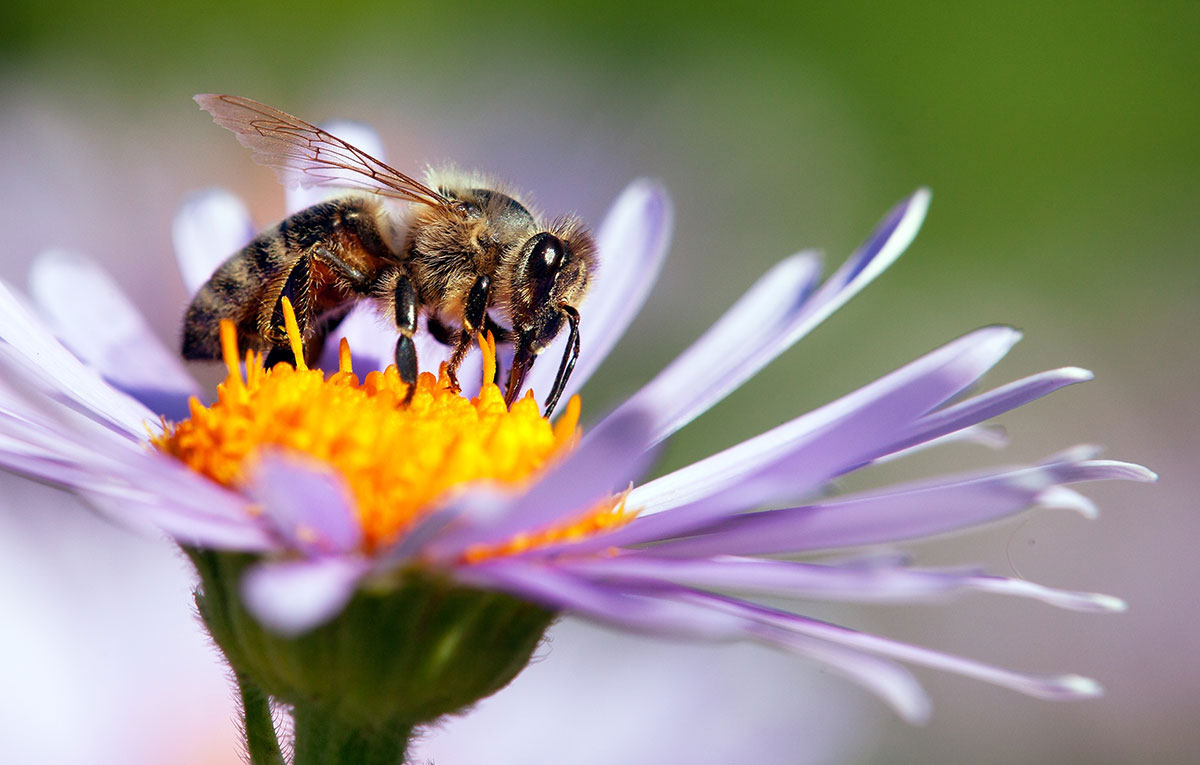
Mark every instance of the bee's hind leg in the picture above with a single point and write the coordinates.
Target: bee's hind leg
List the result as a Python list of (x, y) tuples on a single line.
[(296, 289)]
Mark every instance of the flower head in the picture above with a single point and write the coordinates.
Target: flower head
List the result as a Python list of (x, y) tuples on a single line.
[(334, 492)]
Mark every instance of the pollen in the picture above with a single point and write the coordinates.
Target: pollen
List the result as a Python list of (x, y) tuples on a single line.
[(397, 459)]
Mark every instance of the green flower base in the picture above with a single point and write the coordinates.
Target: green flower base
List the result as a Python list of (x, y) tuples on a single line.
[(396, 657)]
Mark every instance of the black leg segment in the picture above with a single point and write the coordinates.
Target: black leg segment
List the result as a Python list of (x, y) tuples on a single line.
[(406, 322), (475, 310), (567, 365)]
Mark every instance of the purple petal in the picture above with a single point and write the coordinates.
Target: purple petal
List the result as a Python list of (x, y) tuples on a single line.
[(92, 316), (356, 134), (902, 512), (802, 455), (672, 614), (731, 350), (137, 488), (984, 407), (148, 513), (308, 503), (49, 466), (613, 455), (750, 336), (551, 587), (887, 242), (772, 577), (182, 503), (1055, 687), (293, 597), (633, 242), (892, 683), (28, 348), (209, 227), (847, 582), (991, 436), (1091, 602)]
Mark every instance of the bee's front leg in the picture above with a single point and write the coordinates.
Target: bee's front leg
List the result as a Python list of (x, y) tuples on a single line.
[(474, 314)]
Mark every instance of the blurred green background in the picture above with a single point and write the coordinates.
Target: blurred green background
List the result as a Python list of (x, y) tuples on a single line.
[(1061, 142)]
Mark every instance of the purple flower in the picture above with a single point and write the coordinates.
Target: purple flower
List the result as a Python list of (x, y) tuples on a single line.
[(85, 387)]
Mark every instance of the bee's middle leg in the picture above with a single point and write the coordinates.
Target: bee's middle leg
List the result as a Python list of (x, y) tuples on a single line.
[(403, 297), (474, 315), (450, 336)]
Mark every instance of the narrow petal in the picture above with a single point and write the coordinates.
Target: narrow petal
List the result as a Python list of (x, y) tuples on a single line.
[(669, 614), (1092, 602), (89, 312), (178, 500), (615, 454), (1054, 687), (800, 456), (749, 337), (991, 436), (988, 405), (824, 581), (891, 682), (901, 512), (293, 597), (42, 465), (28, 345), (724, 356), (771, 577), (357, 134), (633, 242), (307, 502), (147, 514), (209, 227), (556, 589), (144, 491), (857, 423)]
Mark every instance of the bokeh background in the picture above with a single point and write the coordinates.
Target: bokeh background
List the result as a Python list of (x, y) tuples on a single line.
[(1061, 141)]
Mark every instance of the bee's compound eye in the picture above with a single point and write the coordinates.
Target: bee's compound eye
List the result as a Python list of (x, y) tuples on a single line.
[(547, 256)]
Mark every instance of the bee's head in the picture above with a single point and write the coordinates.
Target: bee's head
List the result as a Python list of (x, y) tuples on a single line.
[(551, 278)]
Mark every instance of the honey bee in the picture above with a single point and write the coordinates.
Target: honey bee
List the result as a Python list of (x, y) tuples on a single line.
[(467, 255)]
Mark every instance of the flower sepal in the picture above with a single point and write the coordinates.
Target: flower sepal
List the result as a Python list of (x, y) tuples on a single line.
[(403, 652)]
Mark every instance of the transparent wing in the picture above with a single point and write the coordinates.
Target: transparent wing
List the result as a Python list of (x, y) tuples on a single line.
[(305, 155)]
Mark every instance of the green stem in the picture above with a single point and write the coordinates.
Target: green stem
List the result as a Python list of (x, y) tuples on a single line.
[(261, 742), (323, 739)]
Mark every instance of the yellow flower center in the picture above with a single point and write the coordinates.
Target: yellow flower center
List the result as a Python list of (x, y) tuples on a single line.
[(396, 460)]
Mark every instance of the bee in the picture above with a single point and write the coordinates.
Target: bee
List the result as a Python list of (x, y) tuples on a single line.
[(465, 254)]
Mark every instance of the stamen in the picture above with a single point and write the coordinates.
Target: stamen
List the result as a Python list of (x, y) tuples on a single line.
[(344, 362), (567, 427), (293, 333), (604, 517), (229, 353), (487, 346)]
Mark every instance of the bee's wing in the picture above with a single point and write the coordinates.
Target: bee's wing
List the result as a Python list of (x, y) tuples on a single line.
[(306, 155)]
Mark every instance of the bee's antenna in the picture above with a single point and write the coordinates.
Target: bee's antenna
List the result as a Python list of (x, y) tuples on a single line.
[(567, 365)]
